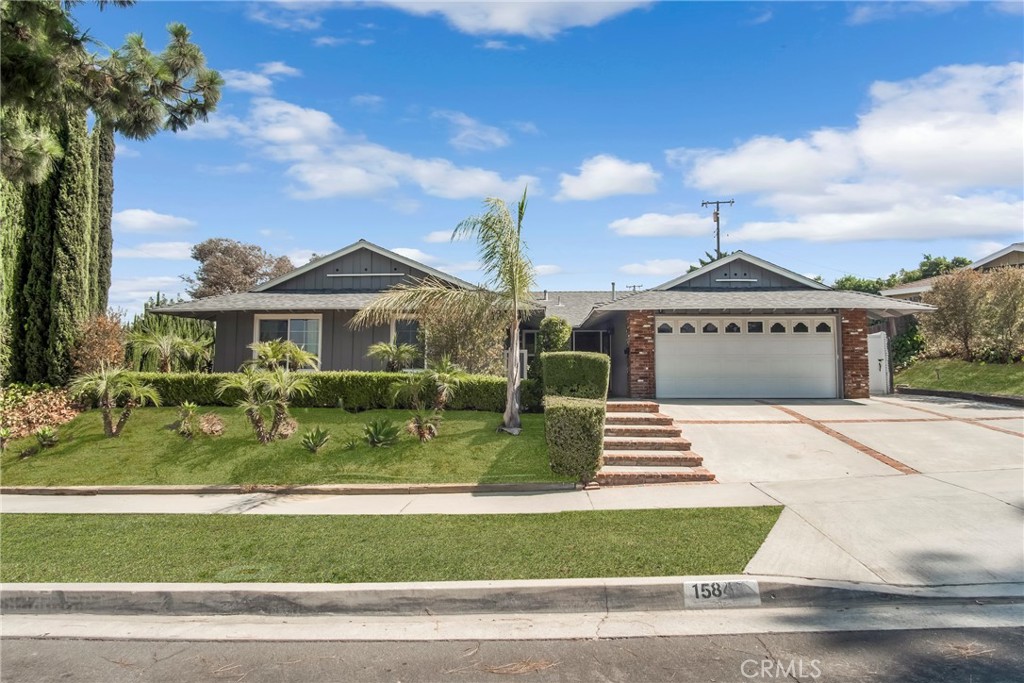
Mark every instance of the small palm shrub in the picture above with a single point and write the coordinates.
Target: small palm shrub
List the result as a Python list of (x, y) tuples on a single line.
[(315, 439), (281, 354), (168, 348), (265, 399), (381, 432), (47, 437), (395, 357), (211, 424), (423, 425), (186, 419), (112, 387)]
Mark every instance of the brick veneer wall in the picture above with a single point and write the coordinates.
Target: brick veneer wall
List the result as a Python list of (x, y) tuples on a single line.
[(854, 339), (640, 368)]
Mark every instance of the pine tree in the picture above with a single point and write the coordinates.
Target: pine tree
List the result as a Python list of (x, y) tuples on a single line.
[(69, 283), (104, 211)]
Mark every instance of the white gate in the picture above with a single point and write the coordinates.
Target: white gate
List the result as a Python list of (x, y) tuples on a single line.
[(879, 381)]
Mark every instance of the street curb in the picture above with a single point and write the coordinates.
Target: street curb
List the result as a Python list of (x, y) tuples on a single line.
[(1016, 401), (463, 597), (299, 489)]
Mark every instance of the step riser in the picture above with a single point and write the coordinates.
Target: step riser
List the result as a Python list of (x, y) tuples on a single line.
[(655, 461), (627, 444), (652, 478), (652, 419), (632, 407), (665, 432)]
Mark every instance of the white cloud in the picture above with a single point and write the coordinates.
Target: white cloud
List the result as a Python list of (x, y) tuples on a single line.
[(982, 249), (278, 69), (300, 257), (470, 134), (763, 18), (123, 151), (217, 127), (247, 81), (547, 269), (868, 12), (226, 169), (289, 16), (606, 176), (659, 267), (131, 294), (499, 45), (435, 262), (938, 156), (366, 101), (148, 221), (663, 225), (438, 236), (532, 19), (528, 127), (170, 251)]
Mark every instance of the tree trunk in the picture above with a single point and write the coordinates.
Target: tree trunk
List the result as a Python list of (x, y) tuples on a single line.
[(511, 418), (165, 364), (108, 422), (123, 419)]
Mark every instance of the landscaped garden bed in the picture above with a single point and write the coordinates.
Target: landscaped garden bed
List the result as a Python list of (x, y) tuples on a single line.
[(358, 548), (468, 449)]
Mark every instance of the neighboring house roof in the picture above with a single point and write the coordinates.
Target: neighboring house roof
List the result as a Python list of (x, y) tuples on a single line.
[(750, 258), (1016, 246), (269, 301), (363, 244), (737, 301), (915, 287), (573, 306)]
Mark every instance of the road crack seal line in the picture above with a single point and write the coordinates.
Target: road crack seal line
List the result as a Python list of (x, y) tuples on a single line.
[(866, 450)]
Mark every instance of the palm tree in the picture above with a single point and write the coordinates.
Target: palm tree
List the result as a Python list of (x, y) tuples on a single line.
[(511, 277), (266, 397), (111, 386), (395, 357), (281, 353), (169, 348)]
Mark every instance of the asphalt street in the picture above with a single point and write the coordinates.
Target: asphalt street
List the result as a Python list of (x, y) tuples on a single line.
[(950, 656)]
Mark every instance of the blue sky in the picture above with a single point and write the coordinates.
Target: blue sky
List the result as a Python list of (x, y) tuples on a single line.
[(853, 136)]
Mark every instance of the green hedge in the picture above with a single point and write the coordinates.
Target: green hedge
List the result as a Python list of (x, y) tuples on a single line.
[(576, 373), (355, 390), (574, 431)]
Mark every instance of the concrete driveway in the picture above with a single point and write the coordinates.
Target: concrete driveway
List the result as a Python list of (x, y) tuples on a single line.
[(905, 490)]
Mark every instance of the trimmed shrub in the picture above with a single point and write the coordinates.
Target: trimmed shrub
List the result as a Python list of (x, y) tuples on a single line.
[(354, 390), (576, 373), (574, 431)]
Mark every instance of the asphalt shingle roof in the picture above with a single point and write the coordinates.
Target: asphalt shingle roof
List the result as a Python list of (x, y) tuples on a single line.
[(574, 306), (270, 301)]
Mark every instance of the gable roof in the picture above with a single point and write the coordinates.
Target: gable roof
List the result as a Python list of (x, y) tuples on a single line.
[(363, 244), (750, 258), (1016, 246), (574, 306)]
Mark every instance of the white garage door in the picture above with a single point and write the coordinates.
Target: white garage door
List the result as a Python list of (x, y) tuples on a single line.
[(745, 357)]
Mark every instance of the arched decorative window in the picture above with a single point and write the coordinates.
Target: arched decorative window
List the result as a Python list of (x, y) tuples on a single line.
[(800, 328), (732, 328), (664, 328), (709, 328), (687, 328), (823, 327), (755, 327), (778, 328)]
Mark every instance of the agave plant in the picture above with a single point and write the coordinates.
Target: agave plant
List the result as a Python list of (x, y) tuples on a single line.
[(186, 419), (266, 397), (316, 439), (381, 432), (395, 357), (111, 387), (46, 436), (281, 354)]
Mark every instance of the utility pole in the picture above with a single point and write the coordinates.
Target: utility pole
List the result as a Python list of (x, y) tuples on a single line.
[(634, 288), (718, 225)]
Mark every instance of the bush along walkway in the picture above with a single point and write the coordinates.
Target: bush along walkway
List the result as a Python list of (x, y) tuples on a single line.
[(642, 446)]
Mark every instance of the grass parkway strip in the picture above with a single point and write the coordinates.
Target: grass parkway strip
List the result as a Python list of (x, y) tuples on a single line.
[(374, 548)]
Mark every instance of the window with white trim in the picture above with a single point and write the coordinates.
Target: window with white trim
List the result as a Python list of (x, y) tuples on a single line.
[(304, 331)]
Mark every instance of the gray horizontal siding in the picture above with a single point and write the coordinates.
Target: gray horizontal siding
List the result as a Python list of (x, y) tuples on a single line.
[(359, 263), (742, 270)]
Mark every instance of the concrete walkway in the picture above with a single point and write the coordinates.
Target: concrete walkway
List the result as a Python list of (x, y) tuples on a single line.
[(852, 514)]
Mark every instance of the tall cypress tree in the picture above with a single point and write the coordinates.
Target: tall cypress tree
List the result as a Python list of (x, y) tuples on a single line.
[(29, 347), (13, 267), (104, 211), (72, 220), (94, 220)]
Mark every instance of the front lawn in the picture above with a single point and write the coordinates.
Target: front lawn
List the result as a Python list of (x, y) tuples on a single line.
[(947, 374), (346, 549), (469, 450)]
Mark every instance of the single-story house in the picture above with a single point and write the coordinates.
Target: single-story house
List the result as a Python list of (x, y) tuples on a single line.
[(1011, 256), (740, 327)]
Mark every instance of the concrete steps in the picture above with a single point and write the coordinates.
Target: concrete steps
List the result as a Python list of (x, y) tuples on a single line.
[(644, 446)]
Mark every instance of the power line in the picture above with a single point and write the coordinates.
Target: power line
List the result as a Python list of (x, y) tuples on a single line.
[(718, 226)]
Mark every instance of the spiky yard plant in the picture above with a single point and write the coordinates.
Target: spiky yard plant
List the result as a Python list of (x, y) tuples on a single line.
[(316, 439), (186, 419), (112, 387), (510, 279), (281, 354), (395, 357), (381, 432), (266, 397), (424, 425)]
